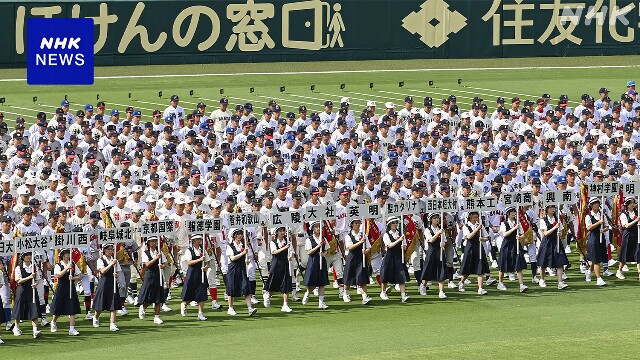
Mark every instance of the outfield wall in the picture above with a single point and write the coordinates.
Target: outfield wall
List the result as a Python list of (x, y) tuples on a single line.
[(178, 32)]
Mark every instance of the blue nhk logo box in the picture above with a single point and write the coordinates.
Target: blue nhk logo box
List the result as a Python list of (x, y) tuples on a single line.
[(59, 51)]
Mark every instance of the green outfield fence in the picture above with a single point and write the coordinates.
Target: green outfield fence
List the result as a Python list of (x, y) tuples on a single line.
[(180, 32)]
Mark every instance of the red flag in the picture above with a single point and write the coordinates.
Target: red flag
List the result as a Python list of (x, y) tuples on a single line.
[(618, 203), (412, 235), (527, 230), (373, 234), (327, 236), (581, 237)]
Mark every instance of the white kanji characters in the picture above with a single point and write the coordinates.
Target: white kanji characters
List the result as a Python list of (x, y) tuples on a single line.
[(518, 22), (563, 20)]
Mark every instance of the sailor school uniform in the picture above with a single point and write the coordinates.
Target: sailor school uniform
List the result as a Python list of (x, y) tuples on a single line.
[(511, 255), (315, 275), (24, 308), (629, 249), (551, 252), (355, 273), (65, 300), (393, 270), (152, 290), (474, 259), (435, 265), (596, 244), (279, 279), (237, 280), (194, 288), (106, 299)]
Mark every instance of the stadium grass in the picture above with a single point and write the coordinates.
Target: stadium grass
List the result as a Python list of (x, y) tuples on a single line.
[(579, 322)]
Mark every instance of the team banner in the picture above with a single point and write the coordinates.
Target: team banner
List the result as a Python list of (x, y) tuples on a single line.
[(521, 198), (488, 203), (7, 247), (289, 218), (445, 204), (403, 207), (363, 211), (33, 243), (630, 189), (203, 226), (559, 197), (157, 228), (241, 220), (604, 188), (115, 235), (133, 32), (322, 212)]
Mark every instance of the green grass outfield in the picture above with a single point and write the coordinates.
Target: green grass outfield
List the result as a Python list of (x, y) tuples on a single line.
[(579, 323)]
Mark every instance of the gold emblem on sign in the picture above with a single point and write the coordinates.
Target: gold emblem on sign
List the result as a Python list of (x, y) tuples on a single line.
[(434, 22)]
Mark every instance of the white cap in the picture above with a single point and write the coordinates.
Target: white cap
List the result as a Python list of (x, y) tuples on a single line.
[(371, 103), (54, 177), (61, 186), (30, 181), (122, 194), (345, 100), (389, 105), (464, 115), (151, 198), (437, 111), (91, 191), (109, 186), (180, 200), (85, 182), (136, 188), (137, 209), (168, 195), (618, 133), (215, 203), (594, 132), (188, 199), (23, 190), (52, 199), (537, 124)]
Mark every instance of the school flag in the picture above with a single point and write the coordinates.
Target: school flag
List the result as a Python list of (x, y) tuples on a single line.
[(372, 232), (412, 235), (527, 230), (581, 237), (616, 211)]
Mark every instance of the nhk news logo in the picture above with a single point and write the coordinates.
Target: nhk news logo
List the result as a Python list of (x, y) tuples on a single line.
[(59, 51)]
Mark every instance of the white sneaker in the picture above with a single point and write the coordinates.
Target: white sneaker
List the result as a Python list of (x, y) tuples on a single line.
[(565, 276), (157, 320), (335, 284), (346, 298), (129, 300), (295, 297), (423, 289), (501, 286), (567, 249), (625, 268), (607, 273), (169, 296), (619, 275), (482, 291), (442, 295), (551, 272), (587, 276), (461, 286), (230, 311), (48, 307), (384, 296), (359, 290), (512, 277), (305, 298), (467, 282), (54, 327), (252, 311), (490, 281), (371, 281), (612, 262), (535, 279), (315, 292), (141, 312), (174, 285), (215, 305), (583, 268), (494, 264), (366, 300), (135, 301), (1, 342), (193, 304), (601, 282), (456, 275), (322, 305), (89, 316), (44, 322), (17, 331), (201, 317), (8, 326), (96, 322), (266, 301), (405, 298), (165, 308), (523, 288), (226, 297), (397, 287), (183, 309), (542, 283), (451, 285), (113, 327), (254, 300), (388, 289), (562, 285), (285, 308), (37, 334), (123, 312), (73, 332)]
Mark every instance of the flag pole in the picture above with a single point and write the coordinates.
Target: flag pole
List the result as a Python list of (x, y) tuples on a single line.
[(321, 240)]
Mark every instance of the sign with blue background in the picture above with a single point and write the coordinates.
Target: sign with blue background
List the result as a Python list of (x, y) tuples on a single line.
[(60, 51)]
